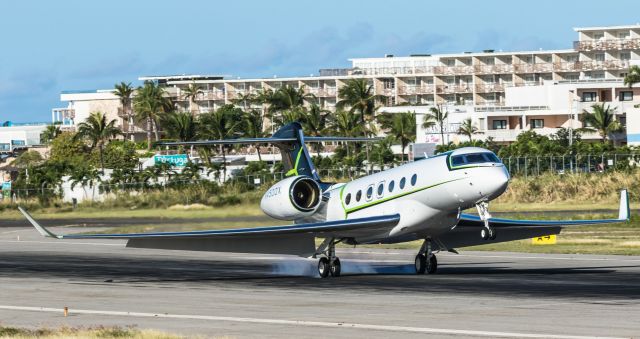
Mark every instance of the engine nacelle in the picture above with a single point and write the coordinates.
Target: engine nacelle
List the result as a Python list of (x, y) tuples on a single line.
[(292, 198)]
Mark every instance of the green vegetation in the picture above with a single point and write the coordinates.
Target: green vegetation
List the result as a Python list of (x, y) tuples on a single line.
[(84, 333)]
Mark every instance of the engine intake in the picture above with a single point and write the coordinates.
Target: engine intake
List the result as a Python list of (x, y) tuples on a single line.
[(293, 198)]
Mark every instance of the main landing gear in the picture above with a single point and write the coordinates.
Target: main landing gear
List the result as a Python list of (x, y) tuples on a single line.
[(426, 261), (487, 232), (328, 264)]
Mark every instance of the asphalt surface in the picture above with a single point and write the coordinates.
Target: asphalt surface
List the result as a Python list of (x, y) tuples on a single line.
[(474, 294)]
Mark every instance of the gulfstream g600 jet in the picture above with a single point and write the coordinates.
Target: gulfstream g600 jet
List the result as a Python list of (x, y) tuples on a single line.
[(422, 200)]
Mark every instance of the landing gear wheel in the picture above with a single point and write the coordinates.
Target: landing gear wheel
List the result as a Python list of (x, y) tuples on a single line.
[(323, 267), (432, 265), (484, 233), (334, 267), (493, 235), (421, 263)]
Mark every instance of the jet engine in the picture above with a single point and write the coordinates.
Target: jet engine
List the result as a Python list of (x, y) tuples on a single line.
[(292, 198)]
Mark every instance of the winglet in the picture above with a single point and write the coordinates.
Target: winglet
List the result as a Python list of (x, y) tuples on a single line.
[(623, 212), (43, 231)]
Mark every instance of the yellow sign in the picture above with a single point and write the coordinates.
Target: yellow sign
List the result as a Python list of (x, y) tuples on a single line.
[(544, 240)]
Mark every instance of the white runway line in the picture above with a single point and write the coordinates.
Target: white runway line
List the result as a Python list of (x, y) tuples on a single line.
[(66, 243), (390, 328)]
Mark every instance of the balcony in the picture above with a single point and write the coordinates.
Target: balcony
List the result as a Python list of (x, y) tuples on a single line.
[(489, 88), (213, 95), (493, 69), (415, 90), (453, 70), (603, 45), (321, 92), (512, 134)]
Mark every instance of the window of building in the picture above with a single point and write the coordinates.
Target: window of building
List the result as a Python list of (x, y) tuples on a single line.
[(599, 56), (626, 96), (347, 200), (528, 59), (402, 182), (571, 58), (414, 179), (490, 61), (625, 55), (624, 35), (388, 83), (597, 75), (380, 189), (589, 96), (370, 192), (598, 36), (358, 195), (499, 124), (537, 123), (391, 186)]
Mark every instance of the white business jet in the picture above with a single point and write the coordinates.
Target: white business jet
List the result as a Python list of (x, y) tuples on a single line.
[(422, 200)]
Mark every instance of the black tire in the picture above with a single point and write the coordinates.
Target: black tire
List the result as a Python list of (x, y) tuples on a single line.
[(432, 265), (493, 235), (420, 263), (334, 267), (323, 267), (484, 233)]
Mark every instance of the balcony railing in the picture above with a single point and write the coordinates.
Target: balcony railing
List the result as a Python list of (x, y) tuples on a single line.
[(415, 90), (602, 45), (213, 95), (488, 88)]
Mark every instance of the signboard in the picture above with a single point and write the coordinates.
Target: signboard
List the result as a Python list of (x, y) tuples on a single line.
[(175, 160), (544, 240), (6, 190)]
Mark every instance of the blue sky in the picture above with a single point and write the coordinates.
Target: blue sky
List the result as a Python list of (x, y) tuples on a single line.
[(51, 46)]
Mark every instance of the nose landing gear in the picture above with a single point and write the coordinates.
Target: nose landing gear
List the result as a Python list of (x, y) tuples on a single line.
[(487, 233)]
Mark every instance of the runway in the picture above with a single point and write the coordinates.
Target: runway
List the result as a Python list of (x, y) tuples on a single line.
[(474, 294)]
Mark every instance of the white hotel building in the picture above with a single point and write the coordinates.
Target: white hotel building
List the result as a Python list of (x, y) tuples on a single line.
[(504, 93)]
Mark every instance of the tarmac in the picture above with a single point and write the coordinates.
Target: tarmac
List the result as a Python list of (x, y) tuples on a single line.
[(474, 294)]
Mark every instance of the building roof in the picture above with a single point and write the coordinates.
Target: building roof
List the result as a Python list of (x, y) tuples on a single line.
[(182, 77), (606, 28)]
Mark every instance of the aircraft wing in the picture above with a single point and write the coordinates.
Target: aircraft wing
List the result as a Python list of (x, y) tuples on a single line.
[(466, 232), (297, 239)]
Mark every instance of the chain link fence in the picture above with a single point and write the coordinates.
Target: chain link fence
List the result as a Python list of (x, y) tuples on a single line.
[(561, 164)]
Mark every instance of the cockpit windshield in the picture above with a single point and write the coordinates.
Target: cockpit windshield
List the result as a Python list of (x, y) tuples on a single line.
[(473, 158)]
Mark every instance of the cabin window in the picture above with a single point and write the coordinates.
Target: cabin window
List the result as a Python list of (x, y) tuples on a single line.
[(391, 185), (402, 182), (380, 189), (414, 179), (369, 192), (358, 195), (347, 200)]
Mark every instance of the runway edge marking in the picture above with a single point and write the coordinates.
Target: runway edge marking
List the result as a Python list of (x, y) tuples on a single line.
[(389, 328)]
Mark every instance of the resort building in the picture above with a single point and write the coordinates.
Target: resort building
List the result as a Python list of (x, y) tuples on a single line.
[(504, 93)]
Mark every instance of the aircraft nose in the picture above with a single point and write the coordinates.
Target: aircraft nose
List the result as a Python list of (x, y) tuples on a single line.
[(491, 182)]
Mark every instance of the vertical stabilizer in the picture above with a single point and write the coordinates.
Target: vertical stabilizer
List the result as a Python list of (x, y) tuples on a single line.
[(295, 155)]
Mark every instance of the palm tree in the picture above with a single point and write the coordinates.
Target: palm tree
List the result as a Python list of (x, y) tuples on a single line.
[(436, 117), (602, 120), (289, 97), (50, 132), (254, 127), (244, 99), (191, 93), (402, 127), (98, 132), (124, 91), (314, 122), (150, 103), (468, 128), (223, 123), (180, 126), (358, 95), (633, 77), (347, 124)]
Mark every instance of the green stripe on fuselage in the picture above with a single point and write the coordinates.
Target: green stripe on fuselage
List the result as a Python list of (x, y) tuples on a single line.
[(376, 202)]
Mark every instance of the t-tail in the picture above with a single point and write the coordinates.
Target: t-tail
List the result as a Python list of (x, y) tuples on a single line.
[(291, 141)]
